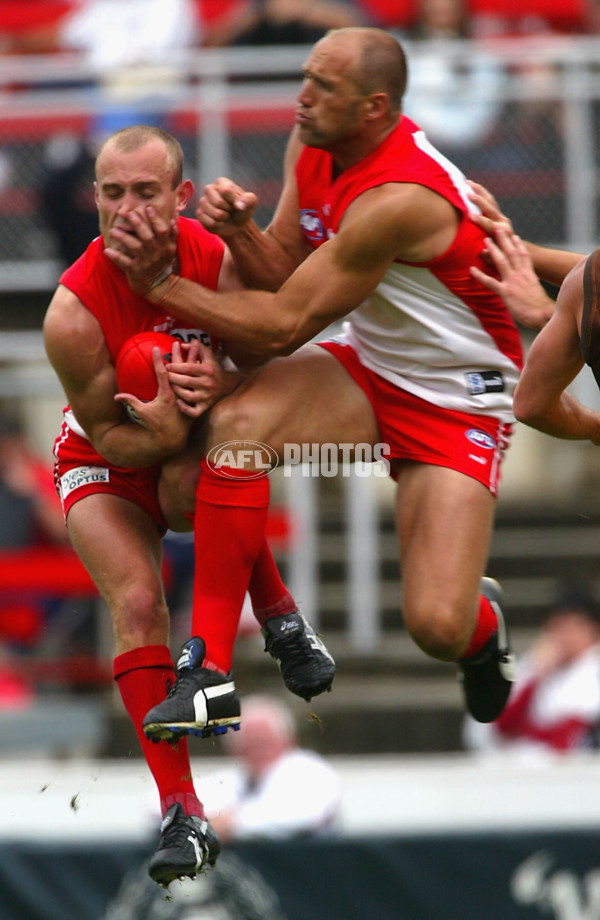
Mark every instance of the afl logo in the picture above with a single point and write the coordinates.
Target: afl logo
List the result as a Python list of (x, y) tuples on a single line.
[(312, 227), (256, 458), (481, 438)]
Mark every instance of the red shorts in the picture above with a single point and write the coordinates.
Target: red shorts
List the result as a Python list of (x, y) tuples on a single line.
[(79, 471), (418, 430)]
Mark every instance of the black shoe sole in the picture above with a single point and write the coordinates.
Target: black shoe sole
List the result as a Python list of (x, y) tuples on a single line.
[(173, 731), (166, 874)]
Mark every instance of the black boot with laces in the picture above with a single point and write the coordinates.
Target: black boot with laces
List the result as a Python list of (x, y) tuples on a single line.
[(306, 666), (187, 844), (201, 701)]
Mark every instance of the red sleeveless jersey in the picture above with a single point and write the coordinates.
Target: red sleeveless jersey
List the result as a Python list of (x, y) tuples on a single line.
[(103, 288)]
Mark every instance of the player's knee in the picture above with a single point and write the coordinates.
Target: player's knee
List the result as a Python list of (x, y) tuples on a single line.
[(234, 419), (177, 494), (140, 617), (438, 631)]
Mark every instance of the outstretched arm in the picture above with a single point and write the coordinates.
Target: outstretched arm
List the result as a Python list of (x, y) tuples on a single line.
[(552, 265), (384, 223), (554, 360), (516, 281)]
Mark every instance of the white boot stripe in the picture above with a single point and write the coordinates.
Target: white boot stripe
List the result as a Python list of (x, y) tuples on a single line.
[(197, 851), (220, 690), (200, 708)]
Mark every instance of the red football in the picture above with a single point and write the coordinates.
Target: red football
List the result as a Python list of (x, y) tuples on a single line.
[(135, 370)]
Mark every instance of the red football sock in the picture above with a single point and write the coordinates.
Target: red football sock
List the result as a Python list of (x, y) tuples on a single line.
[(269, 595), (229, 531), (486, 626), (143, 677)]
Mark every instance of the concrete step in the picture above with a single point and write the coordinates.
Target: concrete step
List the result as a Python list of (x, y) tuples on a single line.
[(533, 549), (395, 657)]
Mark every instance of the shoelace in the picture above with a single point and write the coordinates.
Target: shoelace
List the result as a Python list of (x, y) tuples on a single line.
[(178, 682), (176, 835), (295, 645)]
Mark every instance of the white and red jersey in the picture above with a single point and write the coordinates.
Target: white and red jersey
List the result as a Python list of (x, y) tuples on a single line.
[(428, 327)]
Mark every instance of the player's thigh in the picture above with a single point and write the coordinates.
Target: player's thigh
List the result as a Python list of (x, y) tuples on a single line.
[(444, 521), (177, 486), (119, 545), (306, 397)]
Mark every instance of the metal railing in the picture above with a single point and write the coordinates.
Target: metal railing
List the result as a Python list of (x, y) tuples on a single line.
[(532, 136)]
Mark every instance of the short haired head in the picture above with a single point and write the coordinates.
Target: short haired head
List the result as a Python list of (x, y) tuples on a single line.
[(134, 137), (574, 597)]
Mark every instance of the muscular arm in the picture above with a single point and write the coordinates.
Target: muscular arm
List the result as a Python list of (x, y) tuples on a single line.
[(77, 351), (552, 265), (245, 362), (264, 260), (395, 220), (554, 360)]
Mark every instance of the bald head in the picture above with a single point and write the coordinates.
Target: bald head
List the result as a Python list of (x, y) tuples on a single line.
[(266, 733), (377, 59)]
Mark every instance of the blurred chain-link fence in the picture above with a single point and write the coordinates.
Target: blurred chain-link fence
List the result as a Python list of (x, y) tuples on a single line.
[(521, 118)]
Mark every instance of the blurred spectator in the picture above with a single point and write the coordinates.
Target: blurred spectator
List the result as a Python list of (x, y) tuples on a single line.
[(388, 14), (30, 516), (30, 512), (68, 205), (454, 96), (283, 22), (112, 33), (525, 155), (129, 46), (512, 18), (274, 789), (439, 19), (591, 17), (555, 702)]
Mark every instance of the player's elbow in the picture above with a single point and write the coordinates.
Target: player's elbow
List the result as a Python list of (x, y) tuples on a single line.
[(526, 407), (282, 348), (285, 340)]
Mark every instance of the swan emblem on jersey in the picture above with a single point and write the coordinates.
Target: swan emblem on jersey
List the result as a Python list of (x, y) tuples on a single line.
[(481, 438), (311, 224)]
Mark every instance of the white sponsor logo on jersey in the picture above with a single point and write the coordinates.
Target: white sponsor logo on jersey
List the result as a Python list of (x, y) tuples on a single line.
[(82, 476)]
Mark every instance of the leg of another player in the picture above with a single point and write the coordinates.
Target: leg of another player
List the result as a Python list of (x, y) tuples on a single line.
[(282, 404), (306, 665), (444, 522), (269, 595), (279, 406)]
